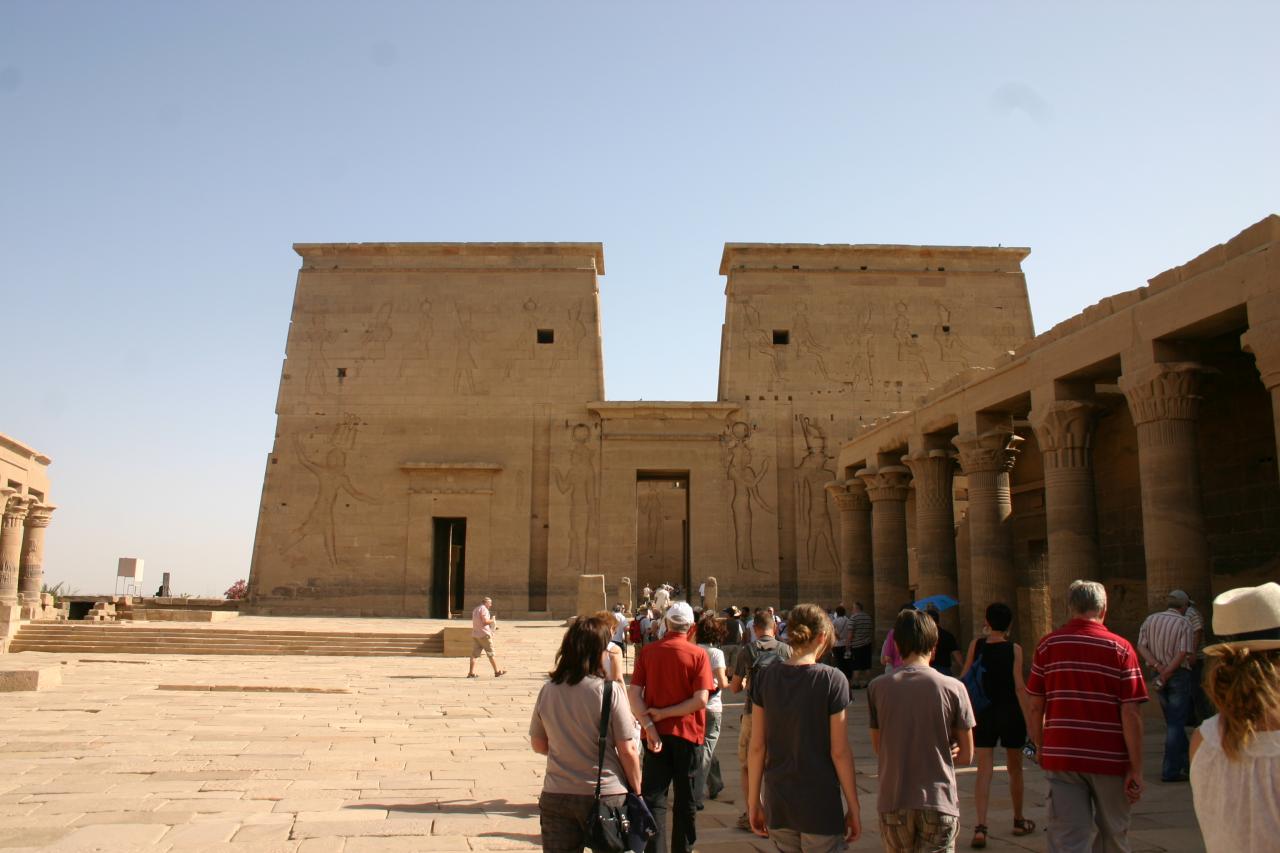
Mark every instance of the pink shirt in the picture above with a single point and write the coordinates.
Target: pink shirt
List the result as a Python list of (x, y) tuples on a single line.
[(480, 626)]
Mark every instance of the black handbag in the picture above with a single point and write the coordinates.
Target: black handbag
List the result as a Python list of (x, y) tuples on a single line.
[(608, 827)]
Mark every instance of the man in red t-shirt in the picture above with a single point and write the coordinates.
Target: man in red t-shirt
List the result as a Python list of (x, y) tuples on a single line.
[(669, 692), (1084, 698)]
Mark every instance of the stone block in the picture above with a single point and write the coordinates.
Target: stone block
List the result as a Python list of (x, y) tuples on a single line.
[(30, 678), (591, 595), (457, 642)]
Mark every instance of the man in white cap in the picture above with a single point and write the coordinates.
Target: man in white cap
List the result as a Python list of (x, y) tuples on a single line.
[(669, 692), (1166, 642)]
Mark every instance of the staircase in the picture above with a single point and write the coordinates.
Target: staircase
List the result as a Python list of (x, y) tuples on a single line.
[(126, 638)]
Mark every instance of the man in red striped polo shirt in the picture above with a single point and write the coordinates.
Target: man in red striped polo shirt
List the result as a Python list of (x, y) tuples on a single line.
[(1084, 717)]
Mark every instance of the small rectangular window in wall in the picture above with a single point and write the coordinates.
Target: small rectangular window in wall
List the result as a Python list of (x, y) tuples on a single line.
[(781, 337), (546, 336)]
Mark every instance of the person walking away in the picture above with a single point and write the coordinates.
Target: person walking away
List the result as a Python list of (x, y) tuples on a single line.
[(566, 728), (921, 728), (1166, 641), (753, 658), (1235, 756), (1084, 718), (620, 629), (946, 657), (863, 635), (1002, 722), (483, 624), (842, 631), (890, 659), (707, 784), (800, 759), (613, 662), (669, 691)]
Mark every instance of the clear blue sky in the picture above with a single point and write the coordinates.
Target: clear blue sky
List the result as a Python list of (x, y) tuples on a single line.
[(158, 159)]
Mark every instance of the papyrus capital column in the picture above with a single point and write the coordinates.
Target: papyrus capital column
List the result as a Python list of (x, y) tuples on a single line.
[(986, 459), (857, 577), (1164, 401), (11, 530), (887, 489), (932, 471), (31, 564), (1064, 431), (1263, 341)]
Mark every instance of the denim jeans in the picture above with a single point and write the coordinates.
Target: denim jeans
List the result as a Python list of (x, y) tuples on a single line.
[(705, 782), (1175, 700)]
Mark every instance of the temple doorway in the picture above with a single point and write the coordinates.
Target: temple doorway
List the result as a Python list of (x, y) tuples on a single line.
[(662, 528), (448, 567)]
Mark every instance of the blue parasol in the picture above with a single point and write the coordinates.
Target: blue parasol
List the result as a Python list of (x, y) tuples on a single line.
[(937, 602)]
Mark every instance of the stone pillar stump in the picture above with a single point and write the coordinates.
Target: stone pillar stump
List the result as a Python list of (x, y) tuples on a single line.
[(591, 595)]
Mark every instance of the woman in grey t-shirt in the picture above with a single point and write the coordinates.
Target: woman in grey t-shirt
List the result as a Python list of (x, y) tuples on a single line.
[(566, 729), (800, 761)]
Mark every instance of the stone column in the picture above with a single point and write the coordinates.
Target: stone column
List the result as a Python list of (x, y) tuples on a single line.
[(31, 563), (1263, 341), (857, 577), (986, 459), (935, 522), (1165, 406), (887, 489), (15, 512), (1064, 431)]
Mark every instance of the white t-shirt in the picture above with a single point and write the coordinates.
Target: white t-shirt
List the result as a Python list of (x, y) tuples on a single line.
[(620, 633), (715, 703), (1237, 802), (606, 657)]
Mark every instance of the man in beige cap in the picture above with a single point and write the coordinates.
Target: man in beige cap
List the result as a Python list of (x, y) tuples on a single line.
[(1166, 642)]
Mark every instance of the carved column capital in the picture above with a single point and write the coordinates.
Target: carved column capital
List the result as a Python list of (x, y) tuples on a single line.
[(16, 508), (1064, 431), (932, 470), (1164, 392), (992, 451), (850, 495), (39, 515), (1263, 342), (886, 483)]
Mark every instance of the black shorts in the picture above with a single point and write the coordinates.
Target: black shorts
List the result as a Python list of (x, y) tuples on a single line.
[(1002, 723), (860, 657)]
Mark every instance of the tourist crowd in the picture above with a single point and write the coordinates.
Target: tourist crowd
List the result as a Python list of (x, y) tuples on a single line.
[(1074, 708)]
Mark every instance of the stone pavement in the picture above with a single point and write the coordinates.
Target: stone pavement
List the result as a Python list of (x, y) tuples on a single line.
[(204, 754)]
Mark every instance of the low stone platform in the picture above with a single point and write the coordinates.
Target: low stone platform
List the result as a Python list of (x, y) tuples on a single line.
[(30, 677), (197, 754)]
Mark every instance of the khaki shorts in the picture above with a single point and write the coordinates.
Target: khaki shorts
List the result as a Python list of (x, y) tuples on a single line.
[(481, 645), (744, 741)]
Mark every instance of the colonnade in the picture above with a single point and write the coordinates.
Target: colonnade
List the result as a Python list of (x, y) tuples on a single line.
[(22, 548), (1163, 399)]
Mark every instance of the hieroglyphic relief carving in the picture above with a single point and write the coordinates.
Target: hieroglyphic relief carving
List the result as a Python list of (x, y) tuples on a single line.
[(464, 379), (807, 347), (377, 332), (862, 367), (579, 483), (332, 480), (317, 334), (813, 472), (735, 444), (651, 514), (523, 348), (950, 343), (757, 337), (909, 349), (575, 335), (422, 333)]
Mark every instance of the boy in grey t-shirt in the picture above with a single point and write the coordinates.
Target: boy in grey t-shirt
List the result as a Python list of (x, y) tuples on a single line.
[(921, 728)]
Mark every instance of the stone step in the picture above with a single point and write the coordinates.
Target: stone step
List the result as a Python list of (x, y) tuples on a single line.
[(321, 651), (66, 638), (115, 628)]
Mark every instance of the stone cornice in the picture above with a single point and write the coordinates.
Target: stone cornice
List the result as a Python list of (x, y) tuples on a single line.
[(1064, 431), (850, 495), (1164, 392), (886, 483), (12, 444), (660, 410), (515, 256), (992, 451), (814, 257)]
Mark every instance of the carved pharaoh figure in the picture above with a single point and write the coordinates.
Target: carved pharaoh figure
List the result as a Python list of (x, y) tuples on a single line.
[(813, 512), (908, 347), (806, 343), (332, 480), (746, 490), (757, 337), (317, 335), (579, 483)]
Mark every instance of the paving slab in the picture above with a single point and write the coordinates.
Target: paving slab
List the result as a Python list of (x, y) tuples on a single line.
[(392, 754)]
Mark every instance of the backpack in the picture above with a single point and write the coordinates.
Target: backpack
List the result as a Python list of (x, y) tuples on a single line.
[(760, 658), (973, 681), (635, 631)]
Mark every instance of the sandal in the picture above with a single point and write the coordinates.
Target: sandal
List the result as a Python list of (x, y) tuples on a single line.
[(500, 673), (1023, 826), (472, 675), (979, 837)]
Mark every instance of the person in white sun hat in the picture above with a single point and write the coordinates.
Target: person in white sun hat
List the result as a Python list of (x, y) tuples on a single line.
[(1235, 756)]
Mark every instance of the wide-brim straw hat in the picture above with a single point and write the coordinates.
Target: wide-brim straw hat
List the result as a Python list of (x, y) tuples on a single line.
[(1248, 617)]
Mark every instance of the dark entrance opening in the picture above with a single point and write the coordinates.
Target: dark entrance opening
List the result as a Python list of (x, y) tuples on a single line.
[(662, 528), (448, 566)]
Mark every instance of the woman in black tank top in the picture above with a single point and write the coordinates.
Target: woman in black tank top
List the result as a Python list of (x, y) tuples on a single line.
[(1003, 722)]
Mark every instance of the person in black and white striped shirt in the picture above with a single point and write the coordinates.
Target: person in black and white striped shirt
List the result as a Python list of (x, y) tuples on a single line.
[(1166, 642)]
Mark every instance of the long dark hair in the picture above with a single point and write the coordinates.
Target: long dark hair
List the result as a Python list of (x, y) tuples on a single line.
[(581, 649), (711, 631)]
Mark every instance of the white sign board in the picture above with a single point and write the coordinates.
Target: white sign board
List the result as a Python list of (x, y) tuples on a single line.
[(130, 567)]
